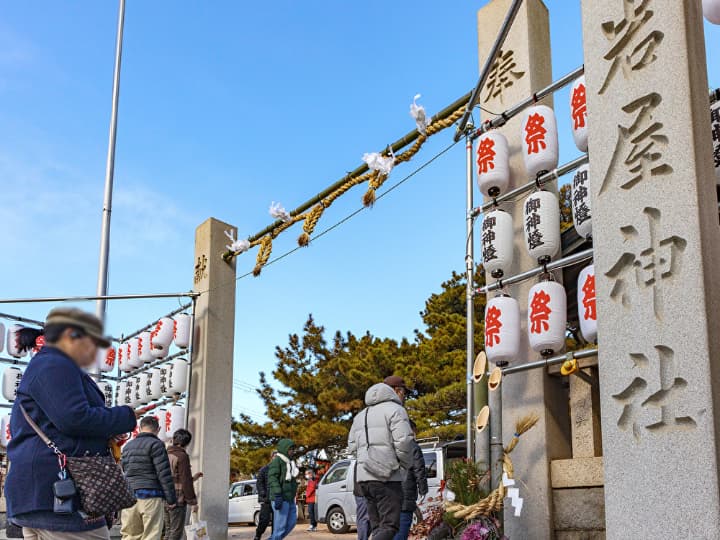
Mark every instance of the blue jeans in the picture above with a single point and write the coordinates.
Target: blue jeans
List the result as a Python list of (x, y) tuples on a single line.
[(363, 519), (405, 525), (284, 520), (312, 511)]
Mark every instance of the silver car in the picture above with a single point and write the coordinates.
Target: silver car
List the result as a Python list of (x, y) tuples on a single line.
[(336, 502), (244, 506)]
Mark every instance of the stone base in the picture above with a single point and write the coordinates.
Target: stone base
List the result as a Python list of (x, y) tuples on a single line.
[(577, 473), (579, 513)]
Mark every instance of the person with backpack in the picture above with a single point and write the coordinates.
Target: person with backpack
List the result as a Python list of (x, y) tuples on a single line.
[(184, 486), (382, 441), (266, 509), (282, 487), (414, 485)]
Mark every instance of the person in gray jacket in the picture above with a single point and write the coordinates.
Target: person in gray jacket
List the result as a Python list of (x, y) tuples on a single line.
[(382, 441)]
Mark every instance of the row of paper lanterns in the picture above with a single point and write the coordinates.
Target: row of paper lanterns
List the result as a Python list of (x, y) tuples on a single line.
[(546, 319), (148, 386), (148, 346), (539, 144), (541, 212)]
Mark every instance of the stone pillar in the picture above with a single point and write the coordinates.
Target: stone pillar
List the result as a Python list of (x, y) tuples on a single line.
[(523, 68), (210, 406), (656, 234)]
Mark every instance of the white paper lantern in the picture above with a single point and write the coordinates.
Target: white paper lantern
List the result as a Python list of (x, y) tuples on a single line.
[(107, 391), (145, 347), (547, 317), (13, 345), (183, 327), (581, 202), (123, 358), (160, 414), (493, 161), (106, 359), (134, 353), (156, 383), (177, 377), (2, 337), (711, 10), (174, 419), (123, 395), (162, 337), (136, 394), (145, 391), (539, 140), (5, 435), (715, 125), (542, 226), (578, 113), (10, 381), (497, 243), (502, 329), (587, 312)]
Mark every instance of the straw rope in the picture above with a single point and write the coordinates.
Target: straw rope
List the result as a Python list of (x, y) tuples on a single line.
[(494, 501), (375, 180)]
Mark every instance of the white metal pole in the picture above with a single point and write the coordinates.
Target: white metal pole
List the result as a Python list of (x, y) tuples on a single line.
[(102, 281), (470, 292)]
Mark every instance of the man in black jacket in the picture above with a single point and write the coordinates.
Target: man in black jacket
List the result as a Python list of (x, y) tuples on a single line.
[(147, 469), (266, 511), (415, 484)]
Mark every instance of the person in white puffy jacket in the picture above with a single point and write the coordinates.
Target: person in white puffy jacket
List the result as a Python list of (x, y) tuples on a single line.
[(382, 441)]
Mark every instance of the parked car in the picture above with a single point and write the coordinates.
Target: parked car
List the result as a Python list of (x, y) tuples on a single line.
[(336, 502), (244, 506)]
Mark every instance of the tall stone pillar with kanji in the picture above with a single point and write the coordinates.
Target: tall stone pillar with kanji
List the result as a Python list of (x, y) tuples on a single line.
[(522, 68), (210, 400), (657, 247)]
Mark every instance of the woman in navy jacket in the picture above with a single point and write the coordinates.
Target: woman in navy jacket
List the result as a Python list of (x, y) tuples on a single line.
[(70, 408)]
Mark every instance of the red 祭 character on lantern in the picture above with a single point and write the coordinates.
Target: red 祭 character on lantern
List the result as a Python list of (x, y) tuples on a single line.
[(110, 357), (492, 326), (535, 133), (589, 298), (578, 106), (486, 155), (168, 421), (540, 313)]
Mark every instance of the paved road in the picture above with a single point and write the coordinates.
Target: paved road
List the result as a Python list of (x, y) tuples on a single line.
[(300, 533)]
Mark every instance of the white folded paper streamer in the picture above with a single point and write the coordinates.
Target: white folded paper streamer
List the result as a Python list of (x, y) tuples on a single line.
[(278, 212), (422, 120), (377, 162), (515, 499), (507, 481), (237, 246)]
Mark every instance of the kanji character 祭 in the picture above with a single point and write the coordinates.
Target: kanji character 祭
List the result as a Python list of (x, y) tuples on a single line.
[(540, 313), (578, 106), (492, 326), (486, 155), (168, 421), (502, 75), (535, 133), (588, 301)]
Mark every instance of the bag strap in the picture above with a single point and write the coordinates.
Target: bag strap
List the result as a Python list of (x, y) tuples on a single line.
[(62, 459), (367, 432)]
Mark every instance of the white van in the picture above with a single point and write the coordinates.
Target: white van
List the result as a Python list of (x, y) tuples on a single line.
[(244, 506), (336, 502)]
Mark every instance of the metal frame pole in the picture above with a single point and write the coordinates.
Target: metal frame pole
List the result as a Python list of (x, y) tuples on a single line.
[(470, 294), (496, 440), (105, 297), (102, 282)]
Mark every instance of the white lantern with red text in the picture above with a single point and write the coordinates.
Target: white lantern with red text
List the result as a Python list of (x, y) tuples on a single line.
[(177, 377), (156, 381), (539, 140), (581, 204), (145, 381), (578, 113), (183, 327), (502, 329), (162, 337), (715, 130), (134, 353), (2, 337), (497, 243), (711, 10), (107, 392), (174, 419), (106, 359), (13, 344), (160, 414), (145, 347), (587, 312), (122, 358), (493, 161), (542, 226), (547, 317), (5, 435), (10, 381)]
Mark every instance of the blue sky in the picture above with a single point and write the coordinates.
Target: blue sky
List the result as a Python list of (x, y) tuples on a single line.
[(225, 107)]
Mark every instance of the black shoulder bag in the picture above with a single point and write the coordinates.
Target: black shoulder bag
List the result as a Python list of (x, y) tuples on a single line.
[(99, 480)]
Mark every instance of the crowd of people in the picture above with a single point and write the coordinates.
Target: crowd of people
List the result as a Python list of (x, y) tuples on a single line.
[(59, 419)]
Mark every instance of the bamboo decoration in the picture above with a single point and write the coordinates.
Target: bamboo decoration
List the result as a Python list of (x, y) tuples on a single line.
[(494, 501)]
